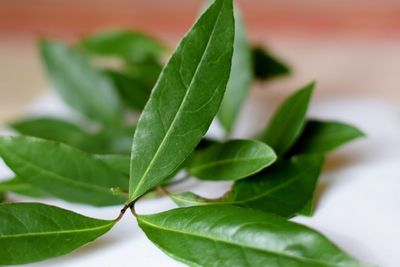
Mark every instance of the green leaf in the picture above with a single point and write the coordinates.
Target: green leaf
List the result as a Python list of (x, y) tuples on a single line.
[(83, 87), (288, 121), (130, 45), (2, 197), (116, 139), (308, 209), (56, 130), (325, 136), (21, 187), (267, 66), (231, 160), (133, 91), (146, 71), (185, 99), (233, 236), (120, 163), (62, 171), (283, 189), (240, 78), (31, 232)]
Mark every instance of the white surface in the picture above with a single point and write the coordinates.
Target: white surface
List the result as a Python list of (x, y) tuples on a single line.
[(358, 207)]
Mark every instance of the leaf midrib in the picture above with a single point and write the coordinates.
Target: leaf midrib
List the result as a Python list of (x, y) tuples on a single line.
[(57, 232), (296, 177), (167, 134), (225, 161), (64, 178), (306, 260)]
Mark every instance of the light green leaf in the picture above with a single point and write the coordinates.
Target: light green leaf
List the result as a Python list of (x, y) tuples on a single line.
[(288, 121), (31, 232), (325, 136), (185, 99), (231, 160), (57, 130), (120, 163), (240, 78), (81, 86), (128, 44), (21, 187), (266, 66), (233, 236), (283, 189), (62, 171)]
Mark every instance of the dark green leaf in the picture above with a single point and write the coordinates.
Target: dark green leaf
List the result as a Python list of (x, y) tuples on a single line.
[(133, 91), (325, 136), (266, 66), (233, 236), (131, 45), (145, 71), (21, 187), (288, 121), (232, 160), (308, 209), (62, 171), (120, 163), (283, 189), (185, 99), (32, 232), (57, 130), (2, 197), (81, 86), (240, 77)]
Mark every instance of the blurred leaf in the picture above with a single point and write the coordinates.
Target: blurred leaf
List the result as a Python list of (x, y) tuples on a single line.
[(31, 232), (116, 139), (81, 86), (147, 72), (133, 91), (62, 171), (325, 136), (231, 160), (184, 101), (266, 66), (128, 44), (240, 78), (21, 187), (57, 130), (120, 163), (288, 121), (233, 236)]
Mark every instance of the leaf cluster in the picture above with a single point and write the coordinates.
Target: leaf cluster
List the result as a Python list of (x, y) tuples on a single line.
[(94, 160)]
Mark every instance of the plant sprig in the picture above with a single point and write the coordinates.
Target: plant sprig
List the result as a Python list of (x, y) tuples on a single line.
[(94, 161)]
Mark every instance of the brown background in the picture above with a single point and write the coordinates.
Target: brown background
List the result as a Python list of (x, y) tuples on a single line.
[(351, 47)]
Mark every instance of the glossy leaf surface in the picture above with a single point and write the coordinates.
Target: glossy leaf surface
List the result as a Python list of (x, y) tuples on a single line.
[(240, 77), (283, 189), (62, 171), (131, 45), (81, 86), (288, 121), (232, 160), (267, 66), (185, 99), (233, 236), (31, 232), (325, 136)]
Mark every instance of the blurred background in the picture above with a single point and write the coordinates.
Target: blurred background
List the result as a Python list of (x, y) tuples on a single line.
[(352, 48)]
